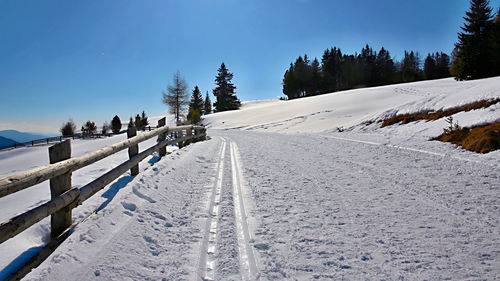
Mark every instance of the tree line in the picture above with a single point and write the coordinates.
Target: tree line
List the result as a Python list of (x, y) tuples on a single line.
[(338, 71), (476, 55), (89, 128)]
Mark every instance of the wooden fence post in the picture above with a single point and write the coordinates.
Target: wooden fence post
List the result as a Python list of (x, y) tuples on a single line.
[(133, 150), (189, 132), (162, 151), (60, 220), (180, 134)]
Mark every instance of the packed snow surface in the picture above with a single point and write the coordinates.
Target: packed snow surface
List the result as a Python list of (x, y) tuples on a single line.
[(278, 193)]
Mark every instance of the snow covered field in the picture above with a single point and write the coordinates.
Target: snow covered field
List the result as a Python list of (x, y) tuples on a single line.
[(278, 193)]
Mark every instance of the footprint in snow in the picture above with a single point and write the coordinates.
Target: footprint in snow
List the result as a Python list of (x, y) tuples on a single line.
[(129, 206)]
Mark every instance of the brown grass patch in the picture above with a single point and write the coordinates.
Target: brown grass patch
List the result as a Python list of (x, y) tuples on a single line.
[(481, 139), (428, 115)]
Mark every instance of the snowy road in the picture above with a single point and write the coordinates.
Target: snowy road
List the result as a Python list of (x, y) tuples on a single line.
[(247, 205)]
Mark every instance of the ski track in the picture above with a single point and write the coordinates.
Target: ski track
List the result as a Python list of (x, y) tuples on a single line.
[(248, 267), (208, 250), (226, 252)]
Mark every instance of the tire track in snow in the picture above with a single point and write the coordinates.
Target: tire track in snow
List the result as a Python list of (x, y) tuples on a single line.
[(207, 263), (248, 267)]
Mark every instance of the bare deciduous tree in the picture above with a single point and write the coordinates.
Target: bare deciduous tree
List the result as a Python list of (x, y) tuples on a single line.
[(176, 97)]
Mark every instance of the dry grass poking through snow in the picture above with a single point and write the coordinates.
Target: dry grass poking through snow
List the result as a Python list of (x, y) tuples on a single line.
[(411, 117), (481, 139)]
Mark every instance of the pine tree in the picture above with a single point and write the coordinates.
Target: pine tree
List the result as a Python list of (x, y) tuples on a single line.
[(116, 124), (131, 122), (495, 46), (144, 120), (195, 106), (224, 91), (430, 68), (472, 59), (68, 129), (196, 100), (290, 83), (410, 70), (89, 128), (137, 122), (176, 98), (207, 105), (385, 67), (442, 65), (105, 128), (315, 85)]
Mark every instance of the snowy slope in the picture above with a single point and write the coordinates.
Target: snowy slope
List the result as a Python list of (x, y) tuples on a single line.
[(351, 108)]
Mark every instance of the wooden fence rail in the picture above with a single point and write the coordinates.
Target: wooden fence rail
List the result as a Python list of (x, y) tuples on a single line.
[(63, 198), (62, 138)]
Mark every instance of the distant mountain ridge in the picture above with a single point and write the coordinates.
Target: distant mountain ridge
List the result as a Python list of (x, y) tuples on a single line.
[(21, 137)]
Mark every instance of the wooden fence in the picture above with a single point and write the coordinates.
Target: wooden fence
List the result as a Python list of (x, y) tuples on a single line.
[(63, 197), (62, 138)]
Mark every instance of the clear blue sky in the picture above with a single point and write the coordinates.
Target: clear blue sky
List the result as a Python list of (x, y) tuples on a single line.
[(94, 59)]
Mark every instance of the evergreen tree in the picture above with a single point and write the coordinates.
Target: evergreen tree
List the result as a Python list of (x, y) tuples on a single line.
[(430, 67), (116, 125), (68, 129), (385, 67), (410, 70), (196, 100), (224, 91), (176, 97), (290, 83), (144, 120), (195, 106), (472, 59), (89, 128), (442, 65), (207, 105), (303, 75), (194, 115), (315, 85), (131, 122), (105, 128), (495, 46), (367, 60), (137, 122)]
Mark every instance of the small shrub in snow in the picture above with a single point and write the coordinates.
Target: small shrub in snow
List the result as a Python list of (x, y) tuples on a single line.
[(480, 139)]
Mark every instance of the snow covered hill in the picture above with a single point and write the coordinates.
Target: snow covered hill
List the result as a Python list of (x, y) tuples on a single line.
[(353, 108)]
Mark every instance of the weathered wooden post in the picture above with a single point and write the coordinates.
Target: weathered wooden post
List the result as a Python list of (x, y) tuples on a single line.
[(162, 151), (60, 220), (180, 134), (189, 132), (133, 150)]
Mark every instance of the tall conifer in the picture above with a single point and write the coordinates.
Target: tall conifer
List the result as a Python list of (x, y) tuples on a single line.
[(472, 59), (224, 91)]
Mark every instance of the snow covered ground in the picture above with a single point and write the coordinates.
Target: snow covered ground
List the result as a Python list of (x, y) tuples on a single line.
[(278, 193)]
